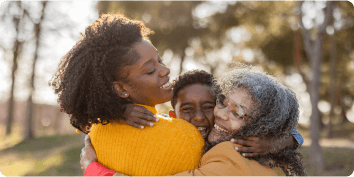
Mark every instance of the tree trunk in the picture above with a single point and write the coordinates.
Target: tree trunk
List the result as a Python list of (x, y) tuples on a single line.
[(344, 115), (16, 52), (343, 112), (30, 105), (183, 55), (315, 127), (332, 85), (314, 51)]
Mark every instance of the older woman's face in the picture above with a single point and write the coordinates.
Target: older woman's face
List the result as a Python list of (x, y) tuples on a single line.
[(231, 113)]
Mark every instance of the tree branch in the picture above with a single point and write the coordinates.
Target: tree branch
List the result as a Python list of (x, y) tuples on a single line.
[(305, 32), (328, 14)]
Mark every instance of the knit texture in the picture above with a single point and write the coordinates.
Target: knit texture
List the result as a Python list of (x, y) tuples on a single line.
[(169, 147)]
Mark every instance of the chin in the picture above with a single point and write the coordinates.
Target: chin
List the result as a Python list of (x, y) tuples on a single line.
[(218, 137)]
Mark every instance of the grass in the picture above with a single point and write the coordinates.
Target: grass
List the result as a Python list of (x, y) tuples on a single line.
[(338, 161), (45, 156)]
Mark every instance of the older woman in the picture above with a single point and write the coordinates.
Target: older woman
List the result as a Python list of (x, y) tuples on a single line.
[(250, 104)]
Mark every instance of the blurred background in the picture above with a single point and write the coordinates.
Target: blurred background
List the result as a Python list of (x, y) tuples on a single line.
[(309, 46)]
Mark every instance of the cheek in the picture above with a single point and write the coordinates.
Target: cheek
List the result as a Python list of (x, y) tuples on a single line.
[(185, 116), (236, 125), (210, 117)]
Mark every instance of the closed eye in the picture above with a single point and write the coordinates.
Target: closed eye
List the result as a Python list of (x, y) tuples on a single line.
[(187, 109), (208, 108), (152, 72)]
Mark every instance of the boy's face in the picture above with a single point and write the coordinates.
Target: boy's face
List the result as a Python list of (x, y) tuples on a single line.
[(195, 104)]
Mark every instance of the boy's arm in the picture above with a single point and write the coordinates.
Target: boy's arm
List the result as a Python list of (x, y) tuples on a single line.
[(88, 161), (298, 137)]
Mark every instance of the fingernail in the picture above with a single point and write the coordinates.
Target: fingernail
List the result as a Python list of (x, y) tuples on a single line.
[(151, 124), (141, 127), (157, 119), (244, 155), (236, 148), (232, 140)]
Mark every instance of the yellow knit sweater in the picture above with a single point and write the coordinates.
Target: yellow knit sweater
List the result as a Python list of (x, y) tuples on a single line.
[(169, 147)]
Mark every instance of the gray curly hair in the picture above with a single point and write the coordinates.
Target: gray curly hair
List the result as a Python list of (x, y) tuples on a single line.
[(274, 114), (275, 111)]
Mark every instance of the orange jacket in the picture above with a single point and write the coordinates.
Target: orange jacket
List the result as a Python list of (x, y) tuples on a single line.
[(224, 160)]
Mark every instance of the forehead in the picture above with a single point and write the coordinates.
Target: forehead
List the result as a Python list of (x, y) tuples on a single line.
[(146, 51), (144, 48), (242, 97), (195, 92)]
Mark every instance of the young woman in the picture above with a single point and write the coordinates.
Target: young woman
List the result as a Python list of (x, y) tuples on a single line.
[(255, 105), (114, 64)]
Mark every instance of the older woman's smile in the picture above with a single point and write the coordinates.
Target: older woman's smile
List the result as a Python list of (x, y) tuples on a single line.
[(218, 128)]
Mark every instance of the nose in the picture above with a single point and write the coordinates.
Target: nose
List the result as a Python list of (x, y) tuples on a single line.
[(199, 116), (221, 112), (164, 71)]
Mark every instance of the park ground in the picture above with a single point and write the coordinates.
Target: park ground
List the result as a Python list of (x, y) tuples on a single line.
[(59, 155)]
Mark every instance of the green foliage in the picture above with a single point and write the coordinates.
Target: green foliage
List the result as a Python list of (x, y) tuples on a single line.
[(273, 27)]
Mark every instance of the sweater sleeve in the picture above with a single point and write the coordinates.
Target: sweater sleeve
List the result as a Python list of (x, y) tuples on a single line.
[(221, 160), (97, 169)]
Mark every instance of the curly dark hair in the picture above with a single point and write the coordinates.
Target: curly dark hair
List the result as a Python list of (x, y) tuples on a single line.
[(275, 114), (189, 78), (84, 79)]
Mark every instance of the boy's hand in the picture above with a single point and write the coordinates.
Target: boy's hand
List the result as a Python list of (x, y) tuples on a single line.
[(138, 116), (88, 154), (253, 146)]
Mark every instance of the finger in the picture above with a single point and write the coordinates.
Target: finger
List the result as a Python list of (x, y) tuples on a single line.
[(143, 110), (253, 138), (87, 140), (250, 154), (82, 150), (245, 142), (248, 149), (133, 124), (144, 116), (141, 121)]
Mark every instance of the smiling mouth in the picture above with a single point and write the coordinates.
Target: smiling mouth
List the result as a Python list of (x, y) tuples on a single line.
[(166, 85), (221, 129), (203, 131)]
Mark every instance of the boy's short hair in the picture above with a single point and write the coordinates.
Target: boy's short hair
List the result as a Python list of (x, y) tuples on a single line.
[(189, 78)]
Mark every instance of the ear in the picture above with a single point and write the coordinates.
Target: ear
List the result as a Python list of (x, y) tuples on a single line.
[(172, 113), (120, 90)]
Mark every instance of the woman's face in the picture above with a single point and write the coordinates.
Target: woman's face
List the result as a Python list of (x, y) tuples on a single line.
[(195, 104), (230, 114), (148, 81)]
